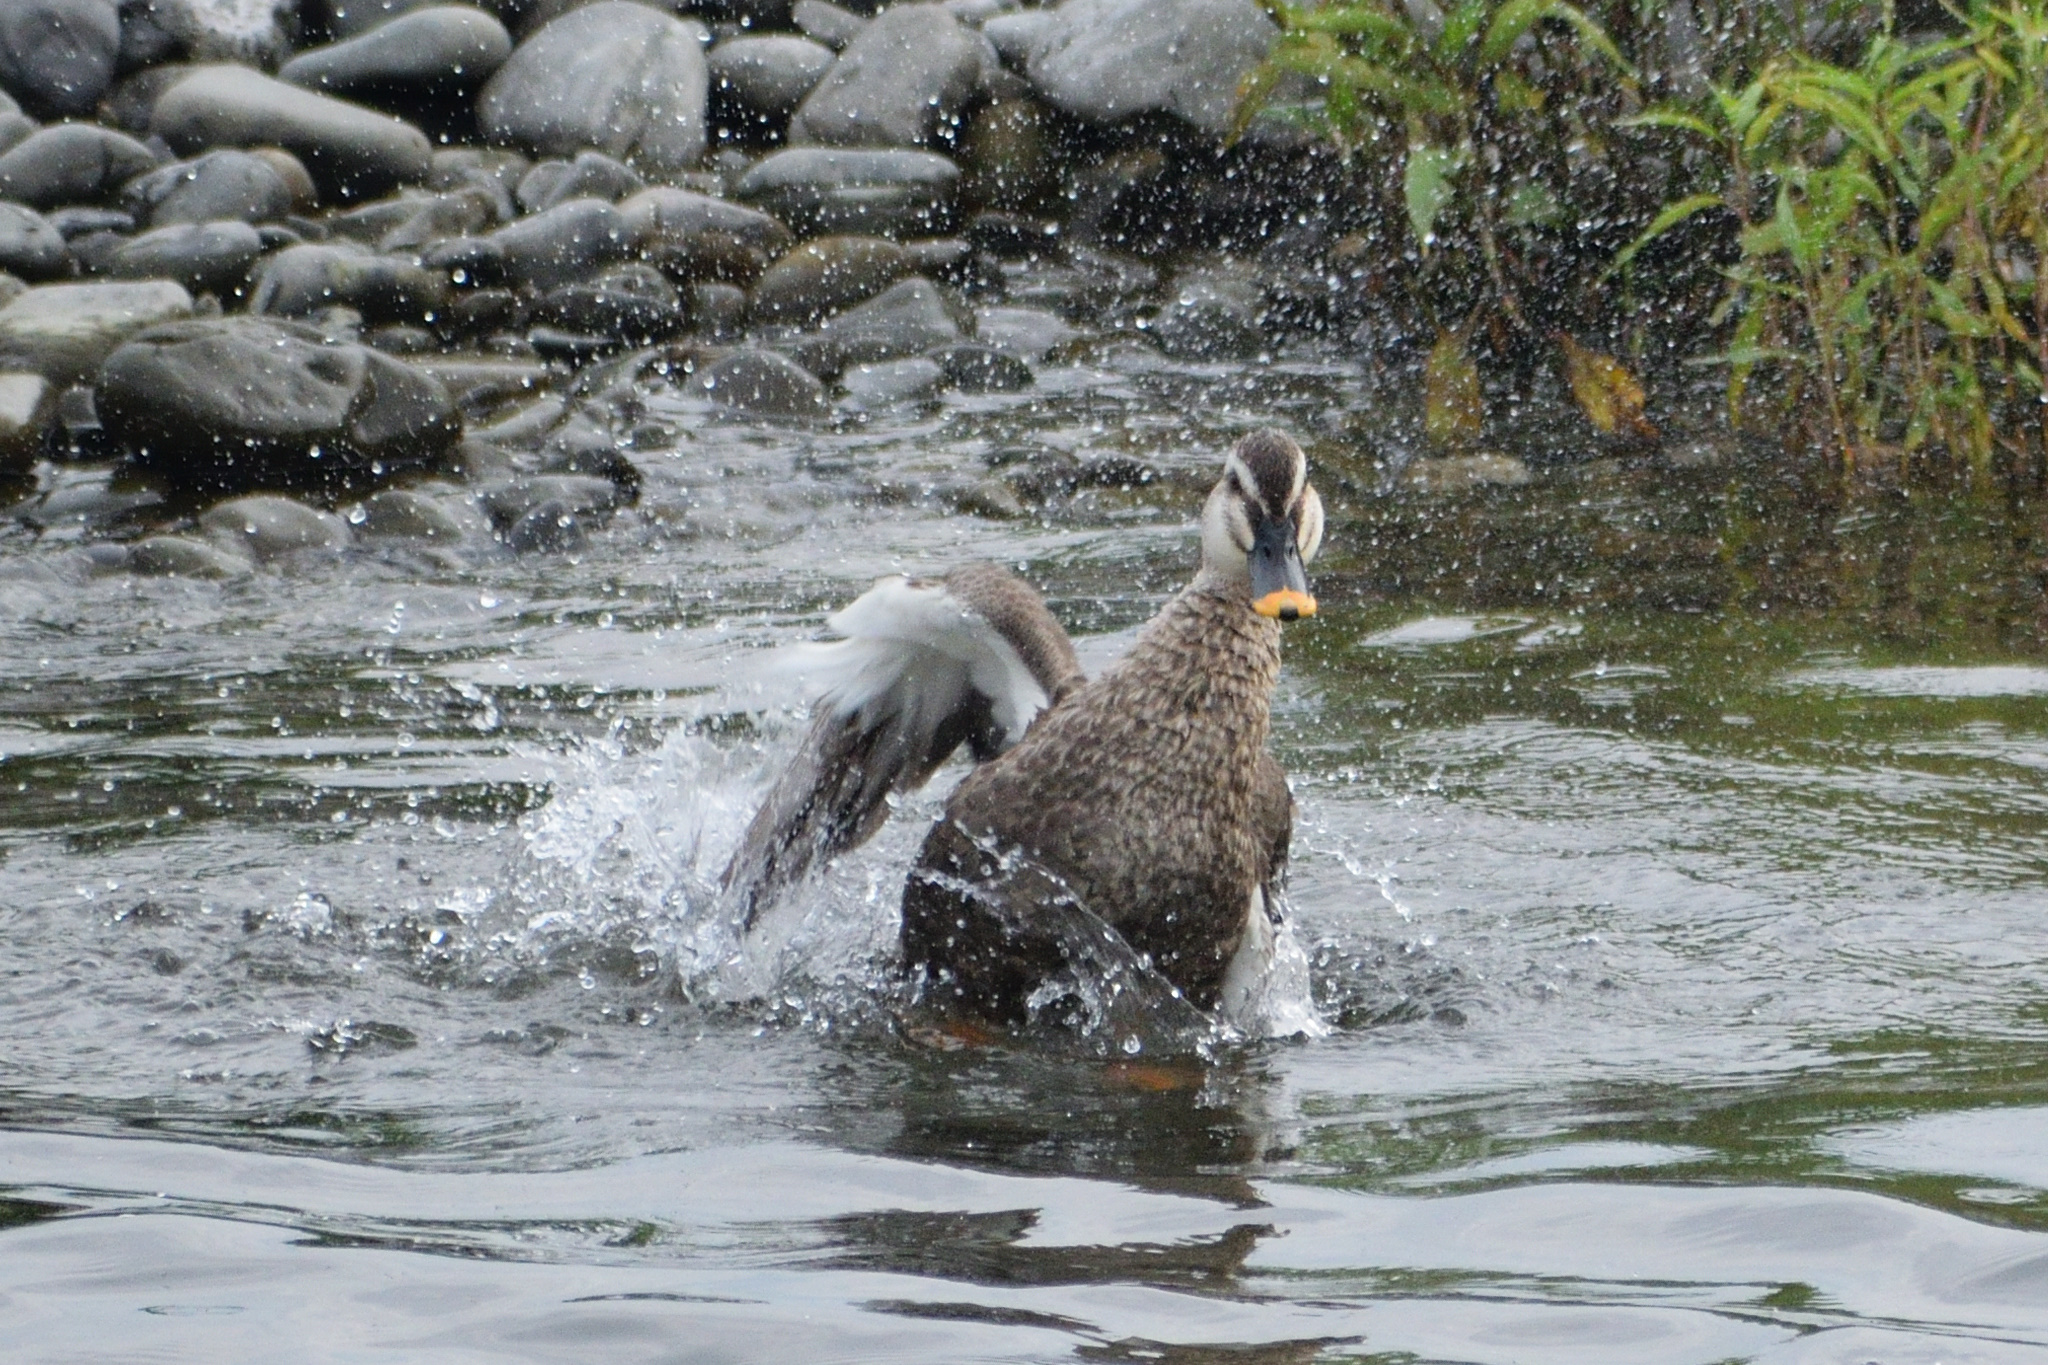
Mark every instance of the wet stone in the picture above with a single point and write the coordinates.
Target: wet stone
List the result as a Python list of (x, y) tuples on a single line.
[(219, 185), (1016, 35), (894, 381), (252, 32), (183, 557), (1212, 316), (437, 217), (983, 369), (351, 152), (825, 275), (79, 222), (588, 495), (1011, 151), (239, 403), (31, 247), (265, 527), (64, 331), (72, 163), (828, 24), (905, 78), (57, 56), (207, 258), (907, 319), (1031, 333), (352, 18), (24, 409), (301, 281), (631, 303), (1103, 61), (763, 80), (718, 310), (696, 236), (614, 76), (436, 51), (592, 175), (764, 384), (563, 244), (887, 193), (401, 514)]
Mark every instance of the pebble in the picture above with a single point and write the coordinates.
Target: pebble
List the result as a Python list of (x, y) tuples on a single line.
[(352, 153), (71, 163), (437, 51), (768, 77), (1031, 333), (57, 56), (218, 185), (301, 281), (634, 304), (401, 514), (894, 381), (983, 369), (256, 33), (907, 319), (905, 77), (64, 331), (1103, 61), (826, 23), (266, 527), (563, 244), (1011, 151), (696, 236), (31, 246), (1212, 315), (825, 275), (240, 403), (183, 557), (764, 384), (592, 175), (718, 311), (888, 193), (613, 76), (207, 258)]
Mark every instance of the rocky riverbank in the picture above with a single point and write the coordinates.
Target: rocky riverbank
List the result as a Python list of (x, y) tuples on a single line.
[(271, 258)]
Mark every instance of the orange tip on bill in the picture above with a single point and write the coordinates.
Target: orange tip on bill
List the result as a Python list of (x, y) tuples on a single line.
[(1285, 605)]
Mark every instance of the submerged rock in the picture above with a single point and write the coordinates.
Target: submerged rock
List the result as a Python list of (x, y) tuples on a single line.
[(615, 76), (983, 369), (887, 193), (904, 79), (401, 514), (183, 557), (351, 152), (1029, 332), (243, 403), (1105, 60), (894, 381), (907, 319)]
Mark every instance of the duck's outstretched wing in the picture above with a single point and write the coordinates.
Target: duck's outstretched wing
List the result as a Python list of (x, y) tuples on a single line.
[(924, 668)]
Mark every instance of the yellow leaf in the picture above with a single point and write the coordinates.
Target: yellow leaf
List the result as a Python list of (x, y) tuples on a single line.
[(1607, 393), (1452, 413)]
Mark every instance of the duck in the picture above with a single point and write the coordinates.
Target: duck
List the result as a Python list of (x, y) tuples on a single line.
[(1142, 805)]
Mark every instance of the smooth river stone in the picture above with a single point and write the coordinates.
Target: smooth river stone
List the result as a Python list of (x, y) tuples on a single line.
[(71, 163), (64, 331), (827, 23), (768, 77), (909, 74), (268, 527), (438, 50), (907, 319), (825, 275), (57, 56), (592, 175), (1105, 60), (237, 403), (634, 304), (697, 236), (616, 77), (207, 258), (884, 192), (351, 152), (910, 380), (31, 246), (564, 244), (183, 557), (302, 280), (219, 185)]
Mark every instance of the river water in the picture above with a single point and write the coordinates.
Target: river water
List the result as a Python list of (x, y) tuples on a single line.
[(1681, 963)]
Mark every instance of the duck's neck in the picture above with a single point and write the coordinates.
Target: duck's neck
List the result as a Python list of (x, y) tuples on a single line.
[(1209, 651)]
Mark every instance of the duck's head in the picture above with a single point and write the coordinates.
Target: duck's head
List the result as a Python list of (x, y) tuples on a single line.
[(1263, 524)]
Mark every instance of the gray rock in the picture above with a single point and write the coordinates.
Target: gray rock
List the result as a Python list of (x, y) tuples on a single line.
[(634, 304), (904, 81), (253, 32), (884, 192), (615, 76), (826, 275), (71, 163), (768, 77), (1016, 36), (302, 281), (31, 246), (1212, 315), (264, 527), (207, 258), (81, 221), (564, 244), (1031, 333), (219, 185), (183, 557), (983, 369), (353, 18), (434, 51), (14, 125), (764, 384), (592, 175), (907, 319), (351, 152), (696, 236), (827, 23), (718, 310), (1106, 60), (434, 218), (975, 13), (894, 381), (63, 331), (27, 403), (128, 105), (57, 56), (243, 403), (509, 504), (400, 514)]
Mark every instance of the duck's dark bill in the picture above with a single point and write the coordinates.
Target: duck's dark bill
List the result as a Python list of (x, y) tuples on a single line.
[(1285, 605)]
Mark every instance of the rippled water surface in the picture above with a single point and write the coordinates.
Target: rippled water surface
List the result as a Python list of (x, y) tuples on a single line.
[(1685, 971)]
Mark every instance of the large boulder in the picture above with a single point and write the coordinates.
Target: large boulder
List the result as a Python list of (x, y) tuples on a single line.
[(1105, 60), (71, 163), (63, 331), (234, 404), (616, 77), (903, 81), (57, 56), (886, 193), (436, 51), (352, 152)]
